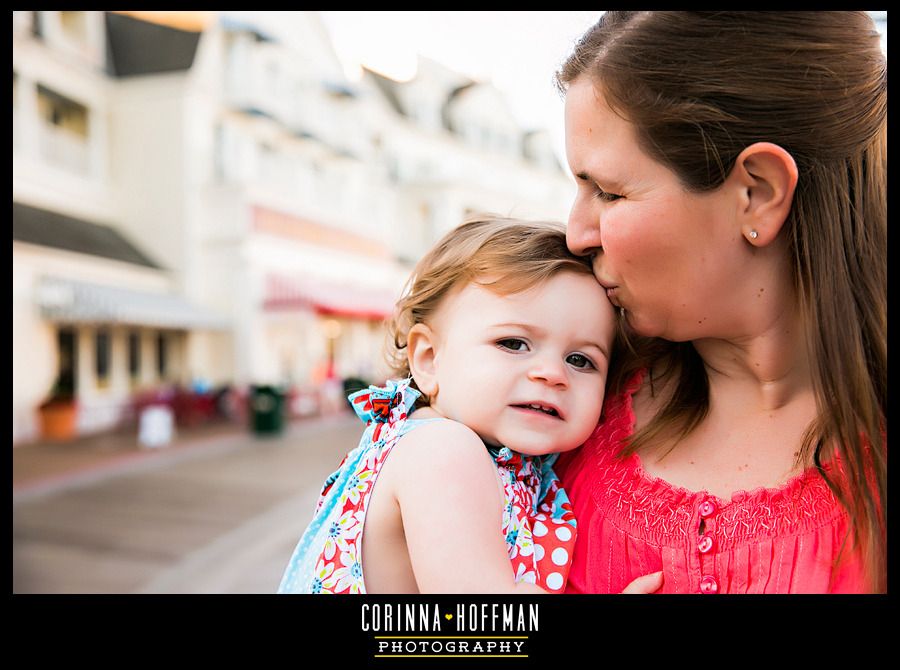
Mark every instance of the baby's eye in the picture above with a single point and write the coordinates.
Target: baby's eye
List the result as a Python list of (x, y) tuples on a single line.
[(579, 361), (513, 344)]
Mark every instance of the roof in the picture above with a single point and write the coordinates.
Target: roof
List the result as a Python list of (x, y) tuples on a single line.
[(136, 47), (388, 88), (60, 231), (339, 89), (235, 25)]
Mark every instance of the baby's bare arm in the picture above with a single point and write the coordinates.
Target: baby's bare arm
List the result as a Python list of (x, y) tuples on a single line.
[(450, 500)]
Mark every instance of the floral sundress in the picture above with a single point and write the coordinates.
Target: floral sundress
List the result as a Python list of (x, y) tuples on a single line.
[(537, 519)]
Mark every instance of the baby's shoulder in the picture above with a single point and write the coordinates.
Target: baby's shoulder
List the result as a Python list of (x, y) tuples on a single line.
[(436, 433), (441, 460), (440, 443)]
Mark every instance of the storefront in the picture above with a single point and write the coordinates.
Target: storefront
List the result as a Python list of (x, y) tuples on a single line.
[(112, 343), (321, 330)]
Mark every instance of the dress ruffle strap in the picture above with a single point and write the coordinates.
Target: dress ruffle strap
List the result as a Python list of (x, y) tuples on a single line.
[(538, 522), (380, 404), (384, 409)]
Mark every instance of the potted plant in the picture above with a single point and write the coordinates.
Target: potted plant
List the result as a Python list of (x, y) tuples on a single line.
[(59, 413)]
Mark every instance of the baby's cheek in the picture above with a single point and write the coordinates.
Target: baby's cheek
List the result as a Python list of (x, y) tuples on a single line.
[(592, 418)]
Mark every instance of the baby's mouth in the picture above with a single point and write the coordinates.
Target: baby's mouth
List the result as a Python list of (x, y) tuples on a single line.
[(539, 407)]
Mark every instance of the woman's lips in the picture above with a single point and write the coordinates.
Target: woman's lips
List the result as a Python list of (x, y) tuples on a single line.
[(612, 294)]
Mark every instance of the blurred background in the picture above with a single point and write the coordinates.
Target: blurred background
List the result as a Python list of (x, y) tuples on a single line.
[(213, 214), (207, 201)]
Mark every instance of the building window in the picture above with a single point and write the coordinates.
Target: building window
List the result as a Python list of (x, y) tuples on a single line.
[(67, 348), (58, 111), (37, 24), (272, 76), (16, 130), (219, 153), (428, 223), (74, 25), (162, 355), (102, 358), (393, 164), (134, 356)]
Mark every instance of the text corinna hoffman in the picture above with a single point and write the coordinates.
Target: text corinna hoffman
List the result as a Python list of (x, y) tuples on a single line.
[(430, 618)]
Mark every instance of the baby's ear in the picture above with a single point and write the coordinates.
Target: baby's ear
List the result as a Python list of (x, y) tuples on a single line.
[(422, 357)]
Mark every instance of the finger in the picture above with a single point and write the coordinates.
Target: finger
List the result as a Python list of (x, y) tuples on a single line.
[(646, 584)]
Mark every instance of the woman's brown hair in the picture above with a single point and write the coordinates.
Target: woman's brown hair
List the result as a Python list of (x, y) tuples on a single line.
[(503, 254), (700, 87)]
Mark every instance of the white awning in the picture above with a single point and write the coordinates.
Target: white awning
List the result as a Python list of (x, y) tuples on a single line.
[(80, 302)]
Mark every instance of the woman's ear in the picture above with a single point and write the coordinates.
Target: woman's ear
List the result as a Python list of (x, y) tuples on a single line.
[(767, 177), (421, 352)]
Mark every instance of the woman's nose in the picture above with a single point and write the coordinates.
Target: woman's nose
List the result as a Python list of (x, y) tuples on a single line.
[(583, 229)]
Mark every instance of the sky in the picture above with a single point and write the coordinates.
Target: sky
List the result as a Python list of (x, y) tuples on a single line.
[(518, 52)]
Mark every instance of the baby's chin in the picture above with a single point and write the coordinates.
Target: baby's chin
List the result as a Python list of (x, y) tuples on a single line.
[(532, 449), (544, 452)]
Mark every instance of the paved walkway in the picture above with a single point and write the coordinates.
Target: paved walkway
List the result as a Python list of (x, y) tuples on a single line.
[(47, 466), (218, 511)]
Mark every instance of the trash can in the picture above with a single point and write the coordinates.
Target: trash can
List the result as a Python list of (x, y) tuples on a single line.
[(266, 410)]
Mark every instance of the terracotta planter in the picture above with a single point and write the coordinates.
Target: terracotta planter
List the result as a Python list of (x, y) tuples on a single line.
[(58, 420)]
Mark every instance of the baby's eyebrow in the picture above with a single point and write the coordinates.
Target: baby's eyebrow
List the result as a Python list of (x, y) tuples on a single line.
[(519, 324), (540, 332), (588, 344)]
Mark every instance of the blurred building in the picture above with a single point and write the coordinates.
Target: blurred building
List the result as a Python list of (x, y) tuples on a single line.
[(97, 311), (220, 203)]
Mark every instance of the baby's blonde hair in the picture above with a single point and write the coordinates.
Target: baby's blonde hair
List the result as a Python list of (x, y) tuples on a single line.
[(502, 254)]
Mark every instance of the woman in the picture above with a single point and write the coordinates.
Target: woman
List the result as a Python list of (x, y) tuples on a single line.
[(731, 171)]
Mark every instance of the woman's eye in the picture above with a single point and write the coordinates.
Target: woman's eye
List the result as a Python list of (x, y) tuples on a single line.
[(513, 344), (579, 361), (599, 193), (605, 196)]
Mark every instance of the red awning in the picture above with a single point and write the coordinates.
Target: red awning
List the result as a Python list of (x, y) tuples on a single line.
[(289, 293)]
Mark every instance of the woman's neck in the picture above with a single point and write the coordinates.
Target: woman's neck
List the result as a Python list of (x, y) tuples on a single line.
[(771, 366)]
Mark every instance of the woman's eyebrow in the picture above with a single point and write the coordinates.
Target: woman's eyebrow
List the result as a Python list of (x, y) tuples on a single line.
[(609, 182)]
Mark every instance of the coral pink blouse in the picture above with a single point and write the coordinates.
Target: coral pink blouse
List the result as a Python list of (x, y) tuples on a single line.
[(630, 524)]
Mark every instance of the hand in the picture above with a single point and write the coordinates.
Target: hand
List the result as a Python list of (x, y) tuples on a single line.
[(646, 584)]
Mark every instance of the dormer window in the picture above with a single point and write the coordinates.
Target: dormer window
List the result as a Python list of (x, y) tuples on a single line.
[(74, 25)]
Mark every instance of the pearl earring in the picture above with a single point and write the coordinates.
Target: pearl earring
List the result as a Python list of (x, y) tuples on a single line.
[(753, 234)]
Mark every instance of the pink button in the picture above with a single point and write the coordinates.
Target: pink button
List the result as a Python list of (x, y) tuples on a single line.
[(706, 543), (707, 508), (709, 584)]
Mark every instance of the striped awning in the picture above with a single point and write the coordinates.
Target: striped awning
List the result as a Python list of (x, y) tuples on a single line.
[(74, 301), (289, 293)]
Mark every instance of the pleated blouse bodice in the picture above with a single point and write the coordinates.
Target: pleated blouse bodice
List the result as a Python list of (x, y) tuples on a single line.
[(782, 540)]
